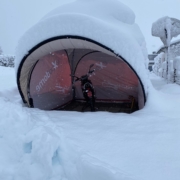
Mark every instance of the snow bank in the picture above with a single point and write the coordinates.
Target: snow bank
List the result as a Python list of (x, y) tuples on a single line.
[(110, 23), (6, 74), (55, 145), (35, 148)]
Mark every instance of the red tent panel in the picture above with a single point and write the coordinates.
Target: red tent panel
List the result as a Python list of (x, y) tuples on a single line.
[(50, 84), (113, 79)]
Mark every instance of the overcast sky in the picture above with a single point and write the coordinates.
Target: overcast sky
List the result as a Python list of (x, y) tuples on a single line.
[(17, 16)]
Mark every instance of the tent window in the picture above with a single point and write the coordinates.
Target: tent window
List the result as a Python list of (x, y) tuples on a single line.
[(50, 84)]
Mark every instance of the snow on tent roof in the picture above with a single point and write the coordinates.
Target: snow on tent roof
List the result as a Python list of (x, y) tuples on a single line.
[(103, 23), (109, 10)]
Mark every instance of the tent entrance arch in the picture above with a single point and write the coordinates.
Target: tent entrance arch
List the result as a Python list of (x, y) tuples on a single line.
[(113, 79), (45, 81)]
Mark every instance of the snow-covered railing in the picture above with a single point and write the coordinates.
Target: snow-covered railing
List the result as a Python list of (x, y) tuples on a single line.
[(176, 64), (164, 69), (160, 68), (174, 49), (7, 60), (158, 64), (171, 71)]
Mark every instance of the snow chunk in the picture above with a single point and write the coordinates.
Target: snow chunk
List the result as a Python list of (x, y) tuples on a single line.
[(158, 27), (101, 9), (166, 28)]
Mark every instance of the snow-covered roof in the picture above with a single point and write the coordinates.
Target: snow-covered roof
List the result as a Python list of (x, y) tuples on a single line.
[(108, 22)]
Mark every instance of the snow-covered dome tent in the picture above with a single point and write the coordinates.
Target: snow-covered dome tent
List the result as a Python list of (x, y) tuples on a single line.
[(70, 38)]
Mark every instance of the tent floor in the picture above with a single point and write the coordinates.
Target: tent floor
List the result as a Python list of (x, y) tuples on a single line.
[(80, 106)]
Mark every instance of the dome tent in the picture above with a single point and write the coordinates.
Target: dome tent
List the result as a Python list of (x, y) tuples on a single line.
[(68, 40)]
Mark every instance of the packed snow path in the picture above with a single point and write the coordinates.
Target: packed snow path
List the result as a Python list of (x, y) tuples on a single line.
[(53, 145)]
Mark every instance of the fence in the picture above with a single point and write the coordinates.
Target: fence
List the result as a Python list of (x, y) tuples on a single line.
[(160, 68)]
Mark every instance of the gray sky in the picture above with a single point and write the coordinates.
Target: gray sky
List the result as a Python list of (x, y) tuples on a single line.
[(17, 16)]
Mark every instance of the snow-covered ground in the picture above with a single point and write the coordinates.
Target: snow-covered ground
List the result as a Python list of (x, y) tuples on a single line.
[(57, 145)]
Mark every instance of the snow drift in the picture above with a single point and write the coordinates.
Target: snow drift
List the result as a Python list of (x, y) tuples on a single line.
[(55, 145)]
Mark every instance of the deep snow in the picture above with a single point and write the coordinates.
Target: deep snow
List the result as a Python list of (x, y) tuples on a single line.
[(53, 145)]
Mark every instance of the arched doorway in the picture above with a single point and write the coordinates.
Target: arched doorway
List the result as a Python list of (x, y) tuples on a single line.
[(44, 74)]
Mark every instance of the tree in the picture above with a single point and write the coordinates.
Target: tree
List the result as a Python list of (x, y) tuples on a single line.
[(6, 60)]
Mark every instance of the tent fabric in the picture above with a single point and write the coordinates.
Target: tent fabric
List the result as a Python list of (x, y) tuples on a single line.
[(44, 49), (49, 83), (83, 29), (113, 79), (46, 78)]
